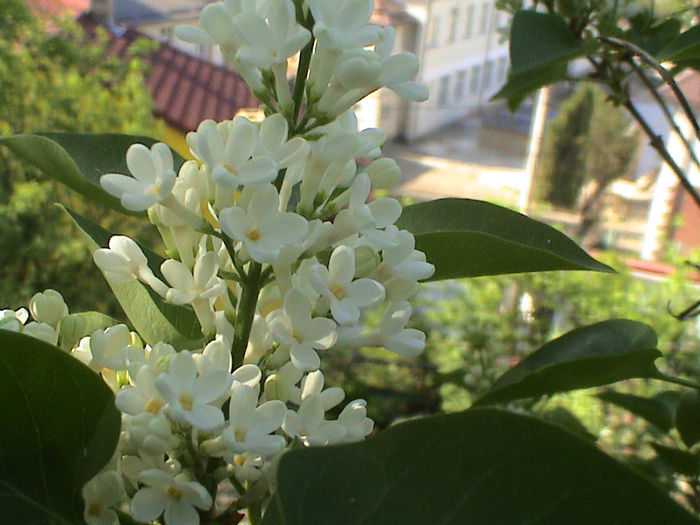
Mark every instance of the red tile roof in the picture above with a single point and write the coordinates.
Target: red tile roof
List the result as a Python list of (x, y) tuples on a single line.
[(185, 89), (53, 8)]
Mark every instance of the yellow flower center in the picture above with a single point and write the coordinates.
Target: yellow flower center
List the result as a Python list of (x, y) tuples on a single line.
[(239, 435), (95, 508), (239, 460), (173, 493), (153, 405), (186, 400), (338, 290), (297, 337), (253, 234)]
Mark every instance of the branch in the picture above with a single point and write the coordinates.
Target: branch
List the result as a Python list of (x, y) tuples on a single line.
[(658, 145), (652, 89), (650, 60)]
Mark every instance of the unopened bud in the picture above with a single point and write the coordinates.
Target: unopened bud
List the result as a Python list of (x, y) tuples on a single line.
[(276, 389), (72, 329), (366, 261), (384, 173), (48, 307)]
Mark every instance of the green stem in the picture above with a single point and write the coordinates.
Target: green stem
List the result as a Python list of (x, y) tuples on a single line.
[(246, 313), (677, 380), (302, 72), (662, 71), (254, 514)]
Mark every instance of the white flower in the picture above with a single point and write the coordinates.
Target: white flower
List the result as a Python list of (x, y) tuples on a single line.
[(345, 295), (150, 433), (309, 423), (354, 419), (394, 336), (48, 307), (176, 496), (342, 24), (101, 494), (41, 331), (13, 320), (105, 348), (251, 426), (294, 326), (124, 261), (153, 177), (143, 396), (189, 395), (263, 229)]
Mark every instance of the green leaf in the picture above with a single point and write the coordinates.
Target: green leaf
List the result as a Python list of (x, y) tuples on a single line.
[(76, 326), (79, 159), (593, 355), (59, 428), (658, 410), (519, 85), (154, 319), (688, 418), (653, 38), (541, 39), (567, 420), (680, 461), (484, 467), (469, 238), (685, 47)]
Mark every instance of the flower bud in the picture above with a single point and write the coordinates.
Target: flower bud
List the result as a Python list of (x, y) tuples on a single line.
[(72, 329), (384, 173), (41, 331), (48, 307), (366, 260), (275, 388)]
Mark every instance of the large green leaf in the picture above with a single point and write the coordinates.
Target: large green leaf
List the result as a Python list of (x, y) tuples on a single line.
[(469, 238), (594, 355), (519, 85), (484, 467), (658, 410), (684, 50), (687, 418), (78, 159), (59, 428), (154, 319)]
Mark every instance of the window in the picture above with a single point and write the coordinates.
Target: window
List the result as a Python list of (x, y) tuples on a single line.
[(484, 21), (474, 80), (502, 69), (488, 73), (460, 84), (443, 91), (454, 18), (469, 24), (434, 32)]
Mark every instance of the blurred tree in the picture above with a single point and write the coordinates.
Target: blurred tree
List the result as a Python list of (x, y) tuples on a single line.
[(560, 171), (57, 80)]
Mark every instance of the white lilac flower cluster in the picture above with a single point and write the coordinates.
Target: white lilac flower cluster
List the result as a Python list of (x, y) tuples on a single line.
[(276, 246)]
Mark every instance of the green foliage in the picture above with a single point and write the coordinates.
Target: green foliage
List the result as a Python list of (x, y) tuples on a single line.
[(594, 355), (560, 170), (480, 466), (60, 427), (56, 80), (507, 241)]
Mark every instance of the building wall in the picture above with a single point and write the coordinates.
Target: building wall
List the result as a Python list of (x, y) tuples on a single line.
[(463, 60)]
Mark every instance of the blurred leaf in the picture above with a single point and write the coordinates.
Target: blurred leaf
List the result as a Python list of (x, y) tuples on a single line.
[(519, 85), (567, 420), (486, 467), (540, 40), (59, 428), (688, 418), (680, 461), (469, 238), (154, 319), (78, 160), (654, 38), (684, 50), (593, 355), (658, 410)]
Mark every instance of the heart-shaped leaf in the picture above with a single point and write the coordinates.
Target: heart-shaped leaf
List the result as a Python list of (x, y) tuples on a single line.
[(59, 428), (486, 467), (594, 355), (154, 319), (469, 238), (78, 160), (658, 410)]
